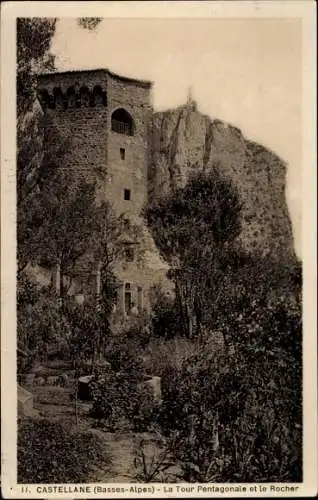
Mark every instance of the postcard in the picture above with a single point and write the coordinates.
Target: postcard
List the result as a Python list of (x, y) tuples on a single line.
[(158, 250)]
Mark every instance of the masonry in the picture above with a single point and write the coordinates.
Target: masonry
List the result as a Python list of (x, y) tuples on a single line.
[(110, 117)]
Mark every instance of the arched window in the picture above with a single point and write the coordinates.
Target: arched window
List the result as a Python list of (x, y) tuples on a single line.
[(58, 99), (71, 98), (99, 97), (84, 97), (122, 122)]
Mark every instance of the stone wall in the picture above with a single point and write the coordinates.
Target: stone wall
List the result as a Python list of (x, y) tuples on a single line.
[(83, 125), (130, 172)]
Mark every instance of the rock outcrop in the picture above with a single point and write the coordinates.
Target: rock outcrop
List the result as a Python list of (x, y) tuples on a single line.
[(186, 141)]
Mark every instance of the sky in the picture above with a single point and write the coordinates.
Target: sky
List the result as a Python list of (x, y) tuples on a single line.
[(247, 72)]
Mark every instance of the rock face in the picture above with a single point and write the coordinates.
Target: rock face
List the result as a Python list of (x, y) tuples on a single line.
[(137, 155), (185, 141)]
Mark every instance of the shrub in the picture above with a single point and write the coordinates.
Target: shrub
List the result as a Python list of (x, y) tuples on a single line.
[(153, 462), (49, 452), (121, 402), (123, 354), (165, 320), (160, 355), (42, 327)]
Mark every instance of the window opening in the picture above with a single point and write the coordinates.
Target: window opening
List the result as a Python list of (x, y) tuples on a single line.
[(122, 122), (128, 303), (127, 194), (122, 153), (140, 298)]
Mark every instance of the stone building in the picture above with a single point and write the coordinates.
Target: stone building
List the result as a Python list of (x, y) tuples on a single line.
[(110, 119), (141, 153)]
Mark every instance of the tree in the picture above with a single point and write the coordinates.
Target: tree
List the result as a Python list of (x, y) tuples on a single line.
[(89, 23), (44, 179), (194, 227), (34, 37), (66, 226)]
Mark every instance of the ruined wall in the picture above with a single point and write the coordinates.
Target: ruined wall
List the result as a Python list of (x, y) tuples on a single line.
[(185, 141)]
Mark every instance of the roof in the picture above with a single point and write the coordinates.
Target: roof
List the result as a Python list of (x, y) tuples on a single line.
[(136, 81)]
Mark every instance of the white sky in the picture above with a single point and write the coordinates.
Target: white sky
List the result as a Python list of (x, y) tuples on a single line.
[(244, 71)]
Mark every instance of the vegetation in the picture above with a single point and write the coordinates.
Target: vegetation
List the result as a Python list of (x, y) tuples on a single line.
[(70, 456), (227, 346), (239, 418), (194, 229)]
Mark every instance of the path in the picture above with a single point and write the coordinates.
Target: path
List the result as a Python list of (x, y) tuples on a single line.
[(121, 449)]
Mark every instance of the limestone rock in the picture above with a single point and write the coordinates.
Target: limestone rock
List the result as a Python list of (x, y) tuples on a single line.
[(185, 141)]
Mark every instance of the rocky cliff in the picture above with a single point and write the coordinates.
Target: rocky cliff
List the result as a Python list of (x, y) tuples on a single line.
[(186, 141)]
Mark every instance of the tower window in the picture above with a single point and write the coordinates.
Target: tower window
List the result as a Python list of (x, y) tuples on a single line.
[(122, 122), (127, 194), (122, 153)]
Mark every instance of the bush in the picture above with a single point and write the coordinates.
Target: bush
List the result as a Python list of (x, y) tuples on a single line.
[(239, 418), (123, 354), (165, 316), (121, 403), (43, 328), (160, 355), (49, 452)]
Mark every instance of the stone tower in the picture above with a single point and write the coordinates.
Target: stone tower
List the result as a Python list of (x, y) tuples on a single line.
[(109, 118)]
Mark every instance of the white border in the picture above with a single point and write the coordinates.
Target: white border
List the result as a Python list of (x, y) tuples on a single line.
[(10, 11)]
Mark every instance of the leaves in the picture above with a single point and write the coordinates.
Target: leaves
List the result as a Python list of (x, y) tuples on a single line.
[(194, 228), (34, 36), (69, 457), (89, 23)]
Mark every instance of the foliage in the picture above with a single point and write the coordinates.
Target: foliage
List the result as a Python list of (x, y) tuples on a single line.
[(34, 36), (193, 227), (89, 23), (159, 354), (121, 402), (152, 461), (68, 221), (121, 399), (69, 455), (123, 354), (42, 327), (205, 210), (85, 332), (239, 418), (165, 315)]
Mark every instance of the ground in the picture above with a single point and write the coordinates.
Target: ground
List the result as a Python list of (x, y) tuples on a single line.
[(57, 404)]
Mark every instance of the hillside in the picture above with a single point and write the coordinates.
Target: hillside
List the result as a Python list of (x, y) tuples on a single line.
[(186, 141)]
